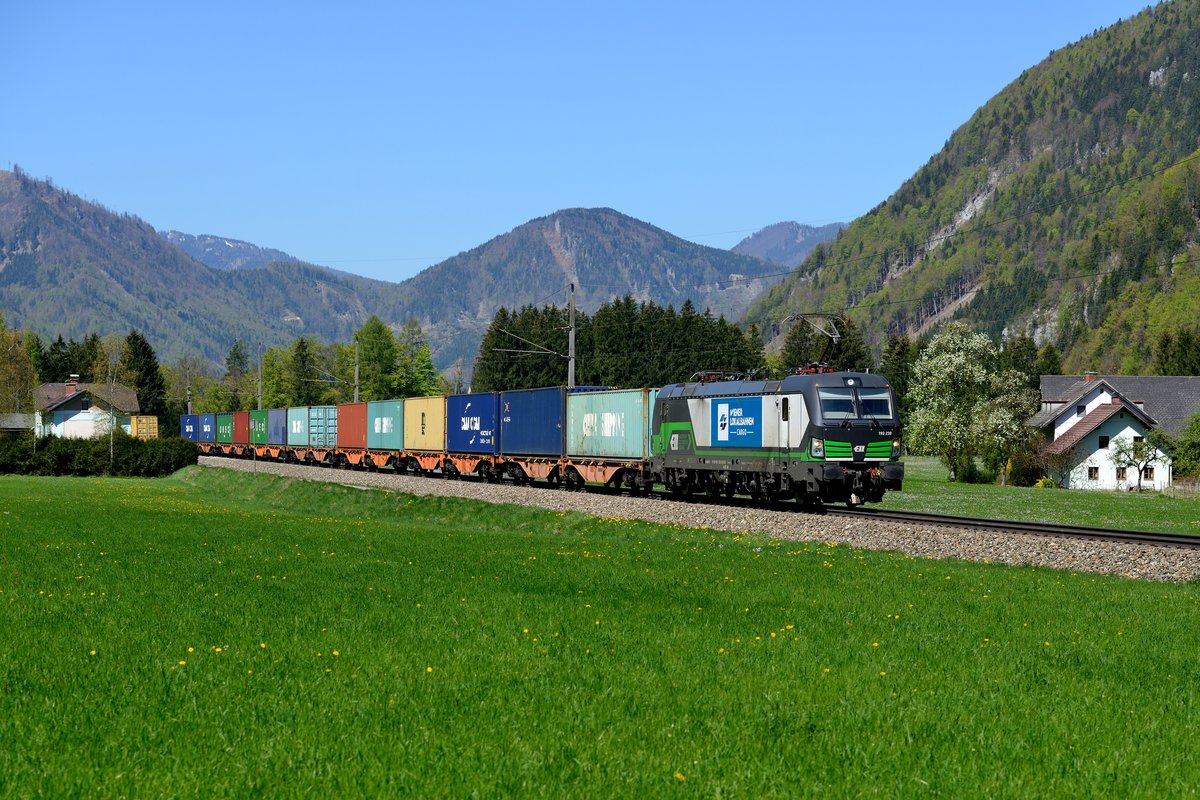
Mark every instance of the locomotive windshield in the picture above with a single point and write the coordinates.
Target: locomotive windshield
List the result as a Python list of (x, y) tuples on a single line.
[(839, 403)]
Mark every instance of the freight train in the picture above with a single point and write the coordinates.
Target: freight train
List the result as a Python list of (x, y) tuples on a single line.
[(826, 437)]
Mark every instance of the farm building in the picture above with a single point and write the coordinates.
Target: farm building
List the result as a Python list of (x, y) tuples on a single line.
[(1088, 419), (75, 410)]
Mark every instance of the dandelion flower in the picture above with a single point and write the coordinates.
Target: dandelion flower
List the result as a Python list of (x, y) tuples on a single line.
[(679, 776), (182, 662), (91, 652), (428, 669)]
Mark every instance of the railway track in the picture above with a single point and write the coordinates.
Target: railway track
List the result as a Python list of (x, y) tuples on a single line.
[(1012, 526), (1178, 540)]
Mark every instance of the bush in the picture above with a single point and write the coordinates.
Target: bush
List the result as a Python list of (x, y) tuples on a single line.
[(1045, 483), (141, 458)]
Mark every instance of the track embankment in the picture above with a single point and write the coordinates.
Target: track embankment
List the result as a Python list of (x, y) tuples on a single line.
[(1140, 561)]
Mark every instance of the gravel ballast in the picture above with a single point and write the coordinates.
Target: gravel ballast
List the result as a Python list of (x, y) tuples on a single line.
[(1143, 562)]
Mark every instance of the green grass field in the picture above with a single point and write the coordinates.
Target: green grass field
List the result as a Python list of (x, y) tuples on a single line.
[(926, 489), (222, 634)]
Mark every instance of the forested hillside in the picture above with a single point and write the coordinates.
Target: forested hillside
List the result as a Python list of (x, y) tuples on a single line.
[(1066, 208)]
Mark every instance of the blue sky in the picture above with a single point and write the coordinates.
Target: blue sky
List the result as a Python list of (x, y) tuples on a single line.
[(381, 138)]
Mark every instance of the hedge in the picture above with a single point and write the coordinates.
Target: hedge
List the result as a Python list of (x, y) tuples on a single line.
[(137, 458)]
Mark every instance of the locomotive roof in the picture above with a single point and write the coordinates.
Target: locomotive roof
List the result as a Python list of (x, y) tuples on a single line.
[(792, 384)]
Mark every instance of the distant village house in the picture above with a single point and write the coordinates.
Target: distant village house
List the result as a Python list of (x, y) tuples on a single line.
[(1089, 420), (75, 410)]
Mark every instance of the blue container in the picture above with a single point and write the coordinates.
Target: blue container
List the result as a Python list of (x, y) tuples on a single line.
[(189, 427), (208, 428), (531, 422), (277, 426), (322, 426), (472, 423)]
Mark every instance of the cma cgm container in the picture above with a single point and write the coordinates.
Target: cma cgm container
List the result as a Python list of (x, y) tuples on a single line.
[(613, 425), (277, 426), (189, 427), (208, 428), (385, 425), (352, 426), (241, 427), (225, 428), (297, 427), (322, 426), (531, 422), (258, 427), (425, 424), (472, 423)]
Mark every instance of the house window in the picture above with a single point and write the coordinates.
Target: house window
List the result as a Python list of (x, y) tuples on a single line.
[(1148, 474), (1103, 442), (1121, 473), (1137, 439), (87, 403), (1080, 410), (1093, 473)]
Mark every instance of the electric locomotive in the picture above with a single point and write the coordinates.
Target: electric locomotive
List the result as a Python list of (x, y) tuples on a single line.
[(824, 437)]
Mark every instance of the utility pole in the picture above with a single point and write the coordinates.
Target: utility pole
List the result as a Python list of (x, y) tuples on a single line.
[(260, 357), (571, 339), (356, 370)]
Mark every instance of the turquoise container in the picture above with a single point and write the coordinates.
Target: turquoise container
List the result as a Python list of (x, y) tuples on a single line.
[(611, 425), (322, 426), (297, 426), (385, 425)]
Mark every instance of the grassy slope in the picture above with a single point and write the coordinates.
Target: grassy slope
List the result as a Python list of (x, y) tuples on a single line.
[(355, 643)]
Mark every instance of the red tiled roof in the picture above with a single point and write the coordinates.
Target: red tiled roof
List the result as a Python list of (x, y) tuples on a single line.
[(1085, 426)]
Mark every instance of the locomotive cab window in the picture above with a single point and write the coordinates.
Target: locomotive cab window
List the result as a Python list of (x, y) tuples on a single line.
[(876, 403), (836, 404), (784, 413)]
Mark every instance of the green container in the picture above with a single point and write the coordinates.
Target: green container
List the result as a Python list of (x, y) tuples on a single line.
[(610, 425), (224, 428), (385, 425), (258, 427)]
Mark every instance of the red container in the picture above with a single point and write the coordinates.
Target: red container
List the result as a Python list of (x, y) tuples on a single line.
[(241, 427), (352, 426)]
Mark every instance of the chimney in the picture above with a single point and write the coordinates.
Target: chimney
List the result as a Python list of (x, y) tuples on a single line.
[(1088, 377), (72, 385)]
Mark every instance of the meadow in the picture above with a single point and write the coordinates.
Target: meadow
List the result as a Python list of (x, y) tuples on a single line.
[(221, 634), (926, 489)]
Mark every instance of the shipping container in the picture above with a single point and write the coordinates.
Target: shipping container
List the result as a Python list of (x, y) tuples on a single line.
[(425, 424), (241, 427), (189, 427), (143, 426), (225, 428), (352, 426), (610, 425), (258, 426), (385, 425), (472, 423), (208, 428), (322, 426), (531, 422), (297, 426), (277, 426)]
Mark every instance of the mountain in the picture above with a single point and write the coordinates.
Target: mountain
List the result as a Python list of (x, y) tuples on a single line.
[(70, 267), (1055, 210), (787, 243), (605, 254), (221, 253)]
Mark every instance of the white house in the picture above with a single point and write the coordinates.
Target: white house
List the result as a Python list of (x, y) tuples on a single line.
[(1084, 417), (74, 410)]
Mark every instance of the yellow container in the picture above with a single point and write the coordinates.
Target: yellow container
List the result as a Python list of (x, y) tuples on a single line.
[(143, 427), (425, 424)]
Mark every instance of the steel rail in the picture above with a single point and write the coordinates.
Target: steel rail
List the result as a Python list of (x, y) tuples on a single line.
[(1017, 526)]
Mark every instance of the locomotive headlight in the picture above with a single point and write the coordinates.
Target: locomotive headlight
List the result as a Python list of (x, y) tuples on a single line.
[(895, 447), (818, 448)]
